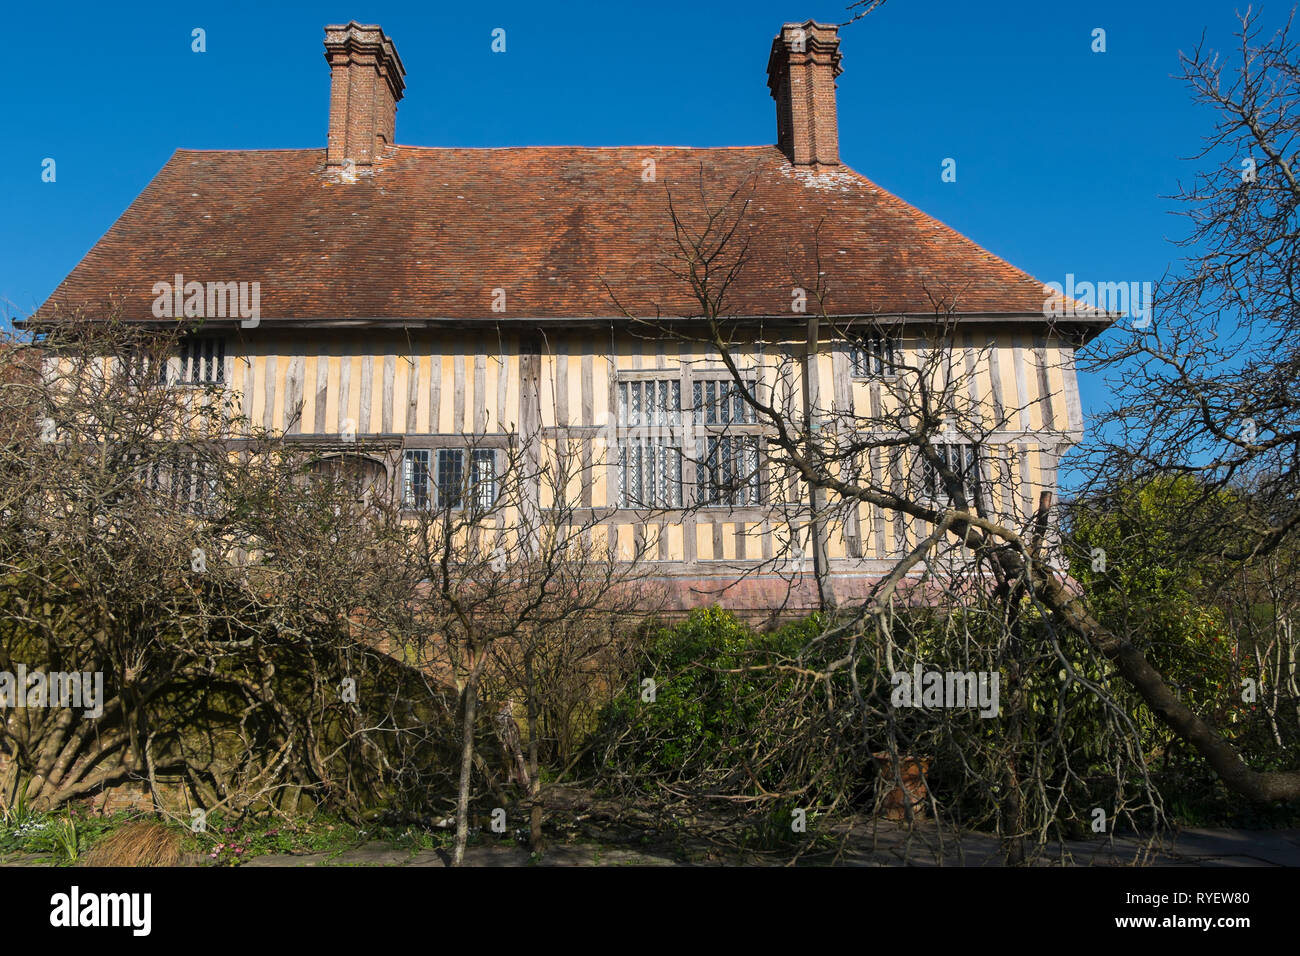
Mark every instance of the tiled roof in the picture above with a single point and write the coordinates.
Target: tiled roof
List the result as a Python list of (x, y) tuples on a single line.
[(432, 232)]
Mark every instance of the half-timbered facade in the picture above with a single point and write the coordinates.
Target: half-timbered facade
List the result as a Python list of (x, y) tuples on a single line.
[(422, 308)]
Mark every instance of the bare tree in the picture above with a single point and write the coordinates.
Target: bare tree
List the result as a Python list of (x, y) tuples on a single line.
[(200, 582), (1206, 391), (510, 560), (982, 573)]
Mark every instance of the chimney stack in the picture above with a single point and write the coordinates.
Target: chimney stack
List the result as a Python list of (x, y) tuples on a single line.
[(801, 74), (366, 81)]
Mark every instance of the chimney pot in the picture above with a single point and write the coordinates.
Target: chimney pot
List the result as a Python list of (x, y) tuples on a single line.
[(801, 74), (366, 81)]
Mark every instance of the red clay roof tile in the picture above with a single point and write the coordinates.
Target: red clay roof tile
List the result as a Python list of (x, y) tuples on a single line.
[(433, 231)]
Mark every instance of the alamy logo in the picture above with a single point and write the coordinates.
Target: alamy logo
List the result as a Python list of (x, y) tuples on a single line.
[(945, 690), (210, 300), (1081, 299), (56, 689), (102, 909)]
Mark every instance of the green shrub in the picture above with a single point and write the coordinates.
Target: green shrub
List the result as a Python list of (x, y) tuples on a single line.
[(735, 710)]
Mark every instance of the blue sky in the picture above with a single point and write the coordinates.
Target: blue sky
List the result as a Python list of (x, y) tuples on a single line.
[(1064, 156)]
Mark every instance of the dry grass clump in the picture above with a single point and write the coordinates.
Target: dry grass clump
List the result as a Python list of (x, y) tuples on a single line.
[(142, 843)]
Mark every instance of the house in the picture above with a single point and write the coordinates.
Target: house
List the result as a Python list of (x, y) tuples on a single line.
[(388, 302)]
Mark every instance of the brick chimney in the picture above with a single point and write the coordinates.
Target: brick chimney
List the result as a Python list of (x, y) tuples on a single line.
[(366, 81), (801, 74)]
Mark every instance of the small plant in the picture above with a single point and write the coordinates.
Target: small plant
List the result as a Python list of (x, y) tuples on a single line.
[(17, 813), (236, 840), (66, 838)]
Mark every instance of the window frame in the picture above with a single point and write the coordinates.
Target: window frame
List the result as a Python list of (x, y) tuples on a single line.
[(728, 449), (880, 349), (476, 482), (181, 476), (687, 431), (410, 497), (659, 434), (931, 490), (470, 484), (747, 431), (201, 362)]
